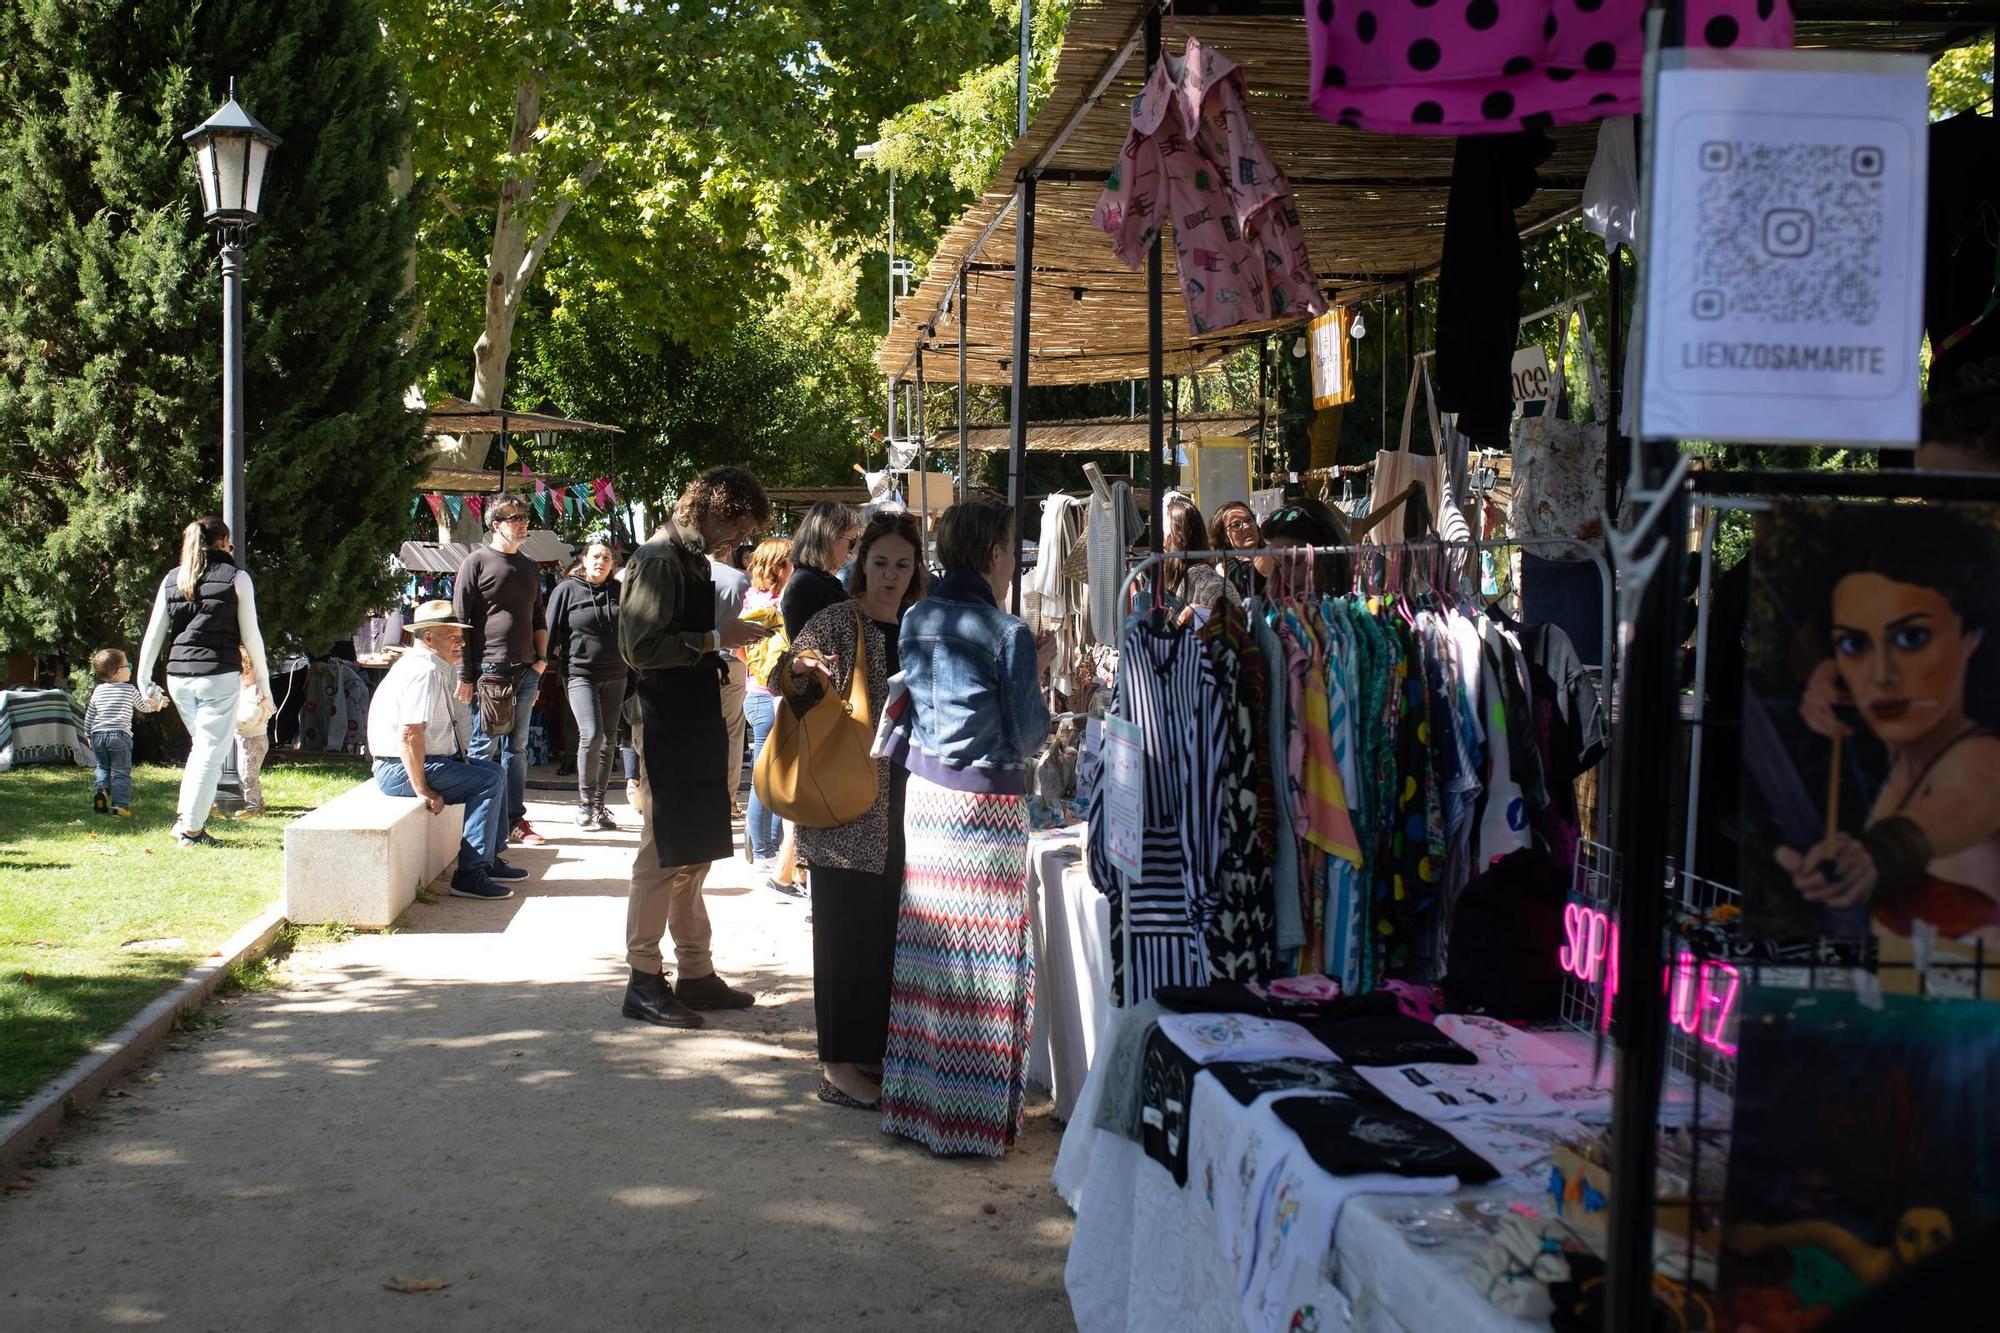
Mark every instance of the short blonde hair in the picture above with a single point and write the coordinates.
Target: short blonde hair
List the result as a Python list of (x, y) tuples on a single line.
[(768, 561)]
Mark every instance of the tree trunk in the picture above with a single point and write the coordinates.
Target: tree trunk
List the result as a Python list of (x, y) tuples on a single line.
[(511, 267)]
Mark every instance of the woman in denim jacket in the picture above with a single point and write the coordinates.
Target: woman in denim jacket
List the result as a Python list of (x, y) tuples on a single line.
[(962, 1000)]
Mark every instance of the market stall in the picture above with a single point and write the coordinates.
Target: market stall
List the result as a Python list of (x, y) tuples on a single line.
[(1442, 855)]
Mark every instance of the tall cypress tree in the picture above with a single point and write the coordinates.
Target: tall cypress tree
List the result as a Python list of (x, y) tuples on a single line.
[(110, 314)]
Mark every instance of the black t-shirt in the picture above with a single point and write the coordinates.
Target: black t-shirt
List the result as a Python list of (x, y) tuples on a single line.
[(1355, 1138), (1390, 1039), (891, 644)]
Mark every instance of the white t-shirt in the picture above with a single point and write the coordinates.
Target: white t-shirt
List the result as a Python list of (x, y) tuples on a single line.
[(420, 687), (732, 585)]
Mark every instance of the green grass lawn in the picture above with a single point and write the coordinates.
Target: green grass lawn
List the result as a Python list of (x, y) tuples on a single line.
[(99, 915)]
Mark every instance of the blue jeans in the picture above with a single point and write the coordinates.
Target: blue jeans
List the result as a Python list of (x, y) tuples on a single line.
[(477, 784), (113, 751), (207, 705), (764, 829), (511, 750)]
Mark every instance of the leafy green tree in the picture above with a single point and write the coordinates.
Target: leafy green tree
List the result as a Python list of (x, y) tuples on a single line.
[(790, 393), (110, 314), (1962, 80), (683, 156)]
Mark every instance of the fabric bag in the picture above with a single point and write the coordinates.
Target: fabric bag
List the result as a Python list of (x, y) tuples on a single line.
[(1559, 466), (815, 768), (253, 712), (497, 692)]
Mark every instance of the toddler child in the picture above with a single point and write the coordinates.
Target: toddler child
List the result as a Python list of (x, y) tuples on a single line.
[(108, 720), (253, 738)]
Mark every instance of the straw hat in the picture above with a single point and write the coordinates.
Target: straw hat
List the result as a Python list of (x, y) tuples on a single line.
[(434, 615)]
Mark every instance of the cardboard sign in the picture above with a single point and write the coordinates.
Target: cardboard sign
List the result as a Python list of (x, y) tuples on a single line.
[(1784, 298), (1125, 792), (1332, 359)]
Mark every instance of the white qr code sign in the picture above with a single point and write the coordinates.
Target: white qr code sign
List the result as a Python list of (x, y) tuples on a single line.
[(1784, 296)]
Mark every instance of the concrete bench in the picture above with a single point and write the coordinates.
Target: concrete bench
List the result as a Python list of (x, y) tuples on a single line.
[(360, 858)]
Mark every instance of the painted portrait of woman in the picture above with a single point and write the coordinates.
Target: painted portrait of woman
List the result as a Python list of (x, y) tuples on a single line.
[(1880, 621)]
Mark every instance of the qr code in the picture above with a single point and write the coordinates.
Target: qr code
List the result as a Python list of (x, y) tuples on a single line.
[(1789, 233)]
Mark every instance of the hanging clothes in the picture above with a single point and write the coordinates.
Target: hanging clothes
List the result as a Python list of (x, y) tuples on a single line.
[(1324, 775), (1494, 66), (1193, 156)]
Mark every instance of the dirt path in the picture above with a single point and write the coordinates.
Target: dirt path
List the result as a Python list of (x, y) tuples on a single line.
[(460, 1101)]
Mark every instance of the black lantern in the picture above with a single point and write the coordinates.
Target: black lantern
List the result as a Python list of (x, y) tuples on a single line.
[(231, 150)]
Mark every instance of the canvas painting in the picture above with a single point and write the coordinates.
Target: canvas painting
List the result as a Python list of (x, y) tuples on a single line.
[(1864, 1142), (1871, 730)]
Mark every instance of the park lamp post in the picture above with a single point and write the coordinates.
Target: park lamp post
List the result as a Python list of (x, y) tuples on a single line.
[(231, 151)]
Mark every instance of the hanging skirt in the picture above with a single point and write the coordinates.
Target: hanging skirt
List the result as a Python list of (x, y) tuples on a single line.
[(963, 998)]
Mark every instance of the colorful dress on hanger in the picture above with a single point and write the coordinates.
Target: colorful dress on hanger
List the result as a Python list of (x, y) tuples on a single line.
[(1497, 66), (1193, 157)]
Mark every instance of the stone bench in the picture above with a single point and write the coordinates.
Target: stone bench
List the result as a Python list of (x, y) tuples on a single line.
[(360, 858)]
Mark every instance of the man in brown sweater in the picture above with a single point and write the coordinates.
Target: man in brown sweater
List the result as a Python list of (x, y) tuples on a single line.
[(498, 596)]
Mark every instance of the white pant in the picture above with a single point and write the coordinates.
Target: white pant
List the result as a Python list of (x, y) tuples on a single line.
[(207, 707)]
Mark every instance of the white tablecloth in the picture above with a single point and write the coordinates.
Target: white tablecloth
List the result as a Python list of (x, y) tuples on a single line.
[(1072, 965), (1145, 1255)]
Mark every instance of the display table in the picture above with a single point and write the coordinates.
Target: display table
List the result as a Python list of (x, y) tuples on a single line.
[(1072, 923), (1146, 1255)]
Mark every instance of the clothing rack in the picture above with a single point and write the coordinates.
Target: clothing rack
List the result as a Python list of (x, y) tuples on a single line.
[(1128, 592)]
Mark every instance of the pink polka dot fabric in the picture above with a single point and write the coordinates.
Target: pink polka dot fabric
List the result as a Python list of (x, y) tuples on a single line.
[(1494, 66)]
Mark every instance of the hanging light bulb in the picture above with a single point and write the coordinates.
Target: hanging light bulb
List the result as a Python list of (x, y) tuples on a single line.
[(1359, 328), (1299, 349)]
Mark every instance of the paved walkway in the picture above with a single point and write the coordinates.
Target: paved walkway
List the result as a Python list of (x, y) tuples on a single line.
[(460, 1101)]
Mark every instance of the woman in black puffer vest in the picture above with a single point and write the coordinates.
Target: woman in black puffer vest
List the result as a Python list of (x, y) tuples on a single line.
[(583, 642), (203, 614)]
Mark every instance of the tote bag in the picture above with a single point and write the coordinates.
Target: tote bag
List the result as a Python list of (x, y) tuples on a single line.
[(1559, 467), (815, 768)]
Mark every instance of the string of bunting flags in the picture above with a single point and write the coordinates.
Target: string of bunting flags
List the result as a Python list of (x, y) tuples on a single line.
[(550, 502)]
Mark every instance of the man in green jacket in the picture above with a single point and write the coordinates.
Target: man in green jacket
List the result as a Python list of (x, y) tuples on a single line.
[(667, 633)]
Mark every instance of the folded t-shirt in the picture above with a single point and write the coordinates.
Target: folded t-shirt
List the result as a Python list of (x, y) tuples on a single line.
[(1211, 1037), (1233, 997), (1453, 1092), (1350, 1138), (1166, 1096), (1248, 1080), (1497, 1043), (1390, 1039)]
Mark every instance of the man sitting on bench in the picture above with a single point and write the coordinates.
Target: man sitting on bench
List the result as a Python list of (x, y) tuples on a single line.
[(416, 734)]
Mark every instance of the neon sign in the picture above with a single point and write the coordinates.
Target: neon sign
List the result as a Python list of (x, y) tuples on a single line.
[(1701, 993)]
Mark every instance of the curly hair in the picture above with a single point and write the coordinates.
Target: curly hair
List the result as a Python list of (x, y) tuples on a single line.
[(722, 495)]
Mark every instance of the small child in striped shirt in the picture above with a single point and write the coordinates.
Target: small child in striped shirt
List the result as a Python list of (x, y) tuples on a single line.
[(108, 720)]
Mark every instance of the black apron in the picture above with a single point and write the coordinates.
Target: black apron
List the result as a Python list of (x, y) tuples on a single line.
[(687, 785)]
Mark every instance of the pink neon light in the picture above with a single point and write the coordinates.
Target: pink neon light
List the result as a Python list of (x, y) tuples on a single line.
[(1701, 995)]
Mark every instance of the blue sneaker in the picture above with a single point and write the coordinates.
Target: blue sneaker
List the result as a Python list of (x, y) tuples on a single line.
[(501, 870), (478, 885)]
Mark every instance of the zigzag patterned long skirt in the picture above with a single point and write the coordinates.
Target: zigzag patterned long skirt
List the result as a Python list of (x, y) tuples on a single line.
[(956, 1074)]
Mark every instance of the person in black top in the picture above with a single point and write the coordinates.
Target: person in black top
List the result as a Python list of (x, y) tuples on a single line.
[(583, 642), (204, 615), (821, 548), (498, 593)]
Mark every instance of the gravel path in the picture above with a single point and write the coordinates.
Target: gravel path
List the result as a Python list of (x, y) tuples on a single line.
[(460, 1102)]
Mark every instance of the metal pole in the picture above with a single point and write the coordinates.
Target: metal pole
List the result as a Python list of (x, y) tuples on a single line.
[(1027, 58), (1156, 424), (892, 294), (1614, 338), (232, 393), (1696, 742), (964, 440), (1263, 409), (923, 469), (1409, 329), (1017, 447)]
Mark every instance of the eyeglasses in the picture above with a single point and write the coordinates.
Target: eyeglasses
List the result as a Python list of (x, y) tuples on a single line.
[(511, 518)]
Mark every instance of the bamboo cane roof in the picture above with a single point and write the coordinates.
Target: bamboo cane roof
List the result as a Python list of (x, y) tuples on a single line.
[(1099, 435), (1372, 205)]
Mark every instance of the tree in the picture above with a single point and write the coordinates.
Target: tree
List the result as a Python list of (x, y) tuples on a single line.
[(682, 154), (110, 314), (789, 393)]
